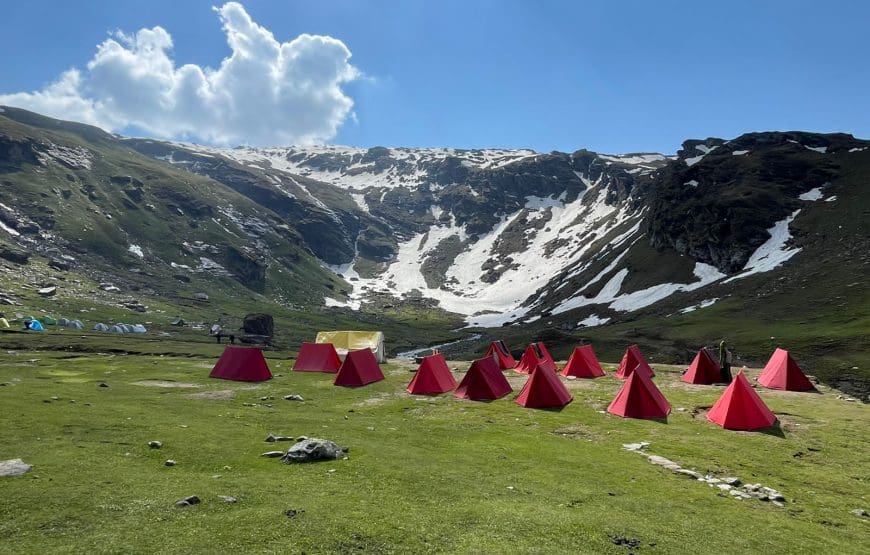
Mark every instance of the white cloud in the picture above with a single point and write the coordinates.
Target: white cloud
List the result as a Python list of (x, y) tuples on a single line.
[(265, 93)]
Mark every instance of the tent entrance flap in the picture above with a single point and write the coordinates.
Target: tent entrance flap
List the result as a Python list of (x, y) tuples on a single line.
[(346, 341)]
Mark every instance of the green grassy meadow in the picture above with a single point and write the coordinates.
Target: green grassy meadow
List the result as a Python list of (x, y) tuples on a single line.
[(423, 475)]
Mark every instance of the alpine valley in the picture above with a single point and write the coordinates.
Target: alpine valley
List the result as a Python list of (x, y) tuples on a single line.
[(761, 239)]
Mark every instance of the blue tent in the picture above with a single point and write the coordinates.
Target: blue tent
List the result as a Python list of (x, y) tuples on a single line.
[(35, 325)]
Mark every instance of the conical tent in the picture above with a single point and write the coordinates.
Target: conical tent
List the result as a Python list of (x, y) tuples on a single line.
[(432, 377), (543, 390), (528, 362), (4, 323), (241, 364), (583, 363), (782, 372), (99, 326), (500, 353), (483, 382), (317, 357), (544, 355), (36, 325), (639, 398), (703, 370), (359, 368), (740, 408), (631, 360)]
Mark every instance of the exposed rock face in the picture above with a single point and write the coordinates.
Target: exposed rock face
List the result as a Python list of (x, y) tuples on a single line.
[(13, 255), (245, 267), (717, 201)]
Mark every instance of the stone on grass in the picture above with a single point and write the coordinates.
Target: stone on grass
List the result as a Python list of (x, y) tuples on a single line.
[(313, 449), (227, 498), (293, 398), (635, 446), (661, 461), (169, 462), (273, 454), (14, 467), (859, 513), (732, 481), (155, 444), (103, 384), (689, 473), (187, 501)]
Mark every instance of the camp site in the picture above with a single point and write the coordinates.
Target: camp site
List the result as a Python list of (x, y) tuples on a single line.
[(412, 277)]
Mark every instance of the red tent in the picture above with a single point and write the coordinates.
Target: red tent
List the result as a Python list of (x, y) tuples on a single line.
[(359, 368), (740, 408), (432, 377), (631, 360), (583, 363), (317, 357), (543, 390), (703, 370), (782, 372), (546, 360), (639, 398), (532, 357), (242, 364), (499, 351), (483, 382)]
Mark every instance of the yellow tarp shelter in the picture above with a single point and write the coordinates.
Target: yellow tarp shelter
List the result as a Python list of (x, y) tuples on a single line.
[(4, 324), (345, 341)]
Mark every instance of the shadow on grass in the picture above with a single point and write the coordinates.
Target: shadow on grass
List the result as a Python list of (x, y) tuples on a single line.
[(775, 430)]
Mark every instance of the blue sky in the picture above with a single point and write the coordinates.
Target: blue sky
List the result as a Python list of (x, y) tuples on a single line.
[(549, 75)]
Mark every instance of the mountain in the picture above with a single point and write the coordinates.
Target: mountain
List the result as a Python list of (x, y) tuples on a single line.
[(760, 233)]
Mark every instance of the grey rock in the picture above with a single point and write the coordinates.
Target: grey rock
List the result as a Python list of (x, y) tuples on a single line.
[(635, 446), (169, 462), (14, 467), (227, 499), (271, 439), (724, 487), (859, 513), (188, 501), (293, 398), (661, 461), (687, 472), (732, 481), (273, 454), (778, 503), (314, 449), (155, 444), (104, 384)]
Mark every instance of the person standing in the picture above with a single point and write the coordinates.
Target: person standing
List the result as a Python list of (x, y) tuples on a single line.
[(724, 363)]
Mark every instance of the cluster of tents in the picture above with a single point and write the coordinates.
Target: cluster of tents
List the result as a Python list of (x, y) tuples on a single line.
[(119, 328), (738, 408), (39, 324)]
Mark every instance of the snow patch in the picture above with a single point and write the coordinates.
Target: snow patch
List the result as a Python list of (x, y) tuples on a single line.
[(692, 183), (819, 149), (812, 194), (703, 304), (772, 253), (739, 152), (136, 250), (592, 321), (858, 149), (831, 198)]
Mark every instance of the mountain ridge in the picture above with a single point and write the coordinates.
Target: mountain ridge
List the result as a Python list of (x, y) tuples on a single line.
[(579, 242)]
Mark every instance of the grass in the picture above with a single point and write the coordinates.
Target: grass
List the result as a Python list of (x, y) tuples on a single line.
[(424, 474)]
